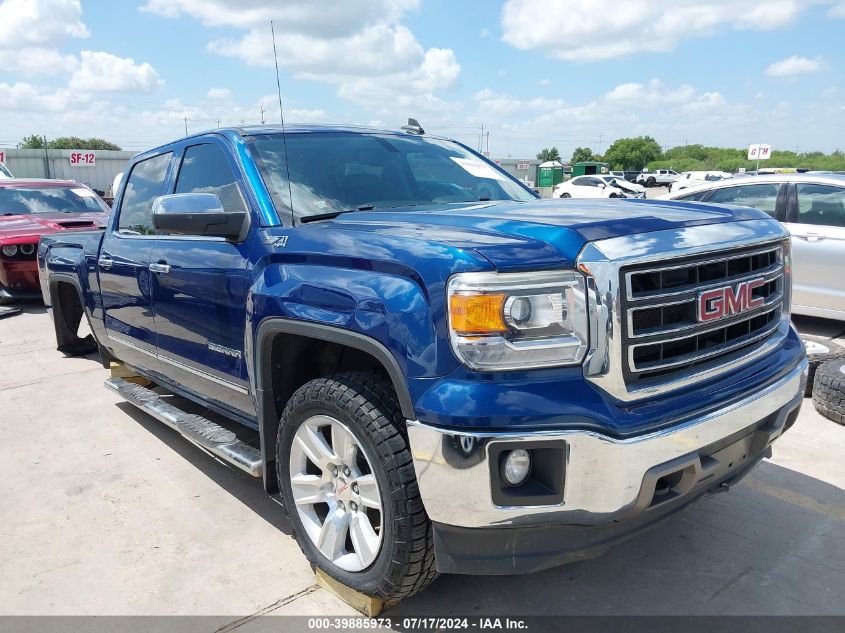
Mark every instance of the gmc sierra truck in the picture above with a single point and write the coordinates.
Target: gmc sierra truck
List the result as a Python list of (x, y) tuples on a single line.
[(435, 369)]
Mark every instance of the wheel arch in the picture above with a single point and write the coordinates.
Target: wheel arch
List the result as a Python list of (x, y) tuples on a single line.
[(312, 341)]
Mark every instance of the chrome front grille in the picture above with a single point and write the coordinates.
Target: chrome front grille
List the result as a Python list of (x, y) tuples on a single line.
[(662, 333)]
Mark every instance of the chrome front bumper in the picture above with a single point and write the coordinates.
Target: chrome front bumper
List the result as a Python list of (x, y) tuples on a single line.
[(605, 478)]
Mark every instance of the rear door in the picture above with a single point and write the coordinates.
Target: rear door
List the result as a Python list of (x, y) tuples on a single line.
[(766, 196), (199, 289), (816, 219), (123, 266)]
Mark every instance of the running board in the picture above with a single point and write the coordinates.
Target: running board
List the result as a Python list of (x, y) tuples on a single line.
[(201, 431)]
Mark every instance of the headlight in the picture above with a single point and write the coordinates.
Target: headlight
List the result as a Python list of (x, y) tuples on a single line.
[(10, 250), (27, 249), (501, 321)]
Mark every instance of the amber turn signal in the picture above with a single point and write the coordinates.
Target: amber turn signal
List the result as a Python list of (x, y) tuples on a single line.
[(477, 314)]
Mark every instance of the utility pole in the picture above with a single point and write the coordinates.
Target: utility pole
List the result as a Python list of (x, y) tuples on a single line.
[(186, 125), (218, 121), (480, 139), (262, 114), (598, 142), (488, 143)]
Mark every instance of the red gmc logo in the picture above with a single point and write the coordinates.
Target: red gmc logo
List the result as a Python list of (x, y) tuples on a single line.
[(729, 300)]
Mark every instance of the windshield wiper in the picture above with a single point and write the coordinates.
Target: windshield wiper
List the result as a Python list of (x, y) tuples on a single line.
[(333, 214)]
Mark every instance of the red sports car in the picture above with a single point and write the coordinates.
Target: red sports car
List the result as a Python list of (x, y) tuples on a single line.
[(28, 210)]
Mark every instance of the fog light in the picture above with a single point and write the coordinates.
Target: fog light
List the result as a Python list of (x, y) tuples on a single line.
[(517, 466)]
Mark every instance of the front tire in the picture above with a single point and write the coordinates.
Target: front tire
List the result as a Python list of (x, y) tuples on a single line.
[(650, 182), (565, 195), (348, 484)]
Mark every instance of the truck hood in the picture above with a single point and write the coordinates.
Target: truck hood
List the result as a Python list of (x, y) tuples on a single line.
[(20, 226), (539, 233)]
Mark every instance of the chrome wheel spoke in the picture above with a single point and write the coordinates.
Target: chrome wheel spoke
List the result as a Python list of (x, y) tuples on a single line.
[(344, 445), (333, 535), (309, 489), (314, 446), (365, 541), (368, 491)]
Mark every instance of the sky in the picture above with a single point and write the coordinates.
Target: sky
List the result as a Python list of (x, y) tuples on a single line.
[(533, 73)]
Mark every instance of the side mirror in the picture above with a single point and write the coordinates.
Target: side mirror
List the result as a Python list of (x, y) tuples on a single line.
[(603, 185), (199, 214)]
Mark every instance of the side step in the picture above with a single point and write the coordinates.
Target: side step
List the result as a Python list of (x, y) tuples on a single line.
[(199, 430)]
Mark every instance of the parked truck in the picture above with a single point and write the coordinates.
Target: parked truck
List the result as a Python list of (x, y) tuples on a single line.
[(445, 372), (658, 177)]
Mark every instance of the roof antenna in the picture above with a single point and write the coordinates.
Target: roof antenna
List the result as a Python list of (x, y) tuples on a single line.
[(413, 127), (281, 109)]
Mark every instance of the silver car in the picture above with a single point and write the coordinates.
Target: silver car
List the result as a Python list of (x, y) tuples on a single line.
[(812, 207)]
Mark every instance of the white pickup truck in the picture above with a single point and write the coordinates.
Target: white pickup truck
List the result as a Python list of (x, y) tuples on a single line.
[(657, 177)]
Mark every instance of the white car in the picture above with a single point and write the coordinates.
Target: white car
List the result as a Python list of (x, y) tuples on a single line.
[(692, 178), (4, 172), (812, 208), (631, 189), (587, 187)]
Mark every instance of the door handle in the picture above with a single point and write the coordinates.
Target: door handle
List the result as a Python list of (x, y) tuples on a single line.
[(105, 261), (161, 269)]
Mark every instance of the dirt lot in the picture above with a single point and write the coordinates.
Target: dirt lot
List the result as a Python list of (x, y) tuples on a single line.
[(106, 511)]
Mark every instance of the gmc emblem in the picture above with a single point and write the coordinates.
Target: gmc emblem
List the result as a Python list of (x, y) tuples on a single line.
[(729, 300)]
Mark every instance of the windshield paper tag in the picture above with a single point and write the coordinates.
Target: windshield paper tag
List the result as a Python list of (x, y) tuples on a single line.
[(478, 169)]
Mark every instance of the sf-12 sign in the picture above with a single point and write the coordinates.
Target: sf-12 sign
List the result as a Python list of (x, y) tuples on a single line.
[(759, 152), (523, 165), (82, 159)]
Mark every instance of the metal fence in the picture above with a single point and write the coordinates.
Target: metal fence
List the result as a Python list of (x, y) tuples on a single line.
[(97, 170)]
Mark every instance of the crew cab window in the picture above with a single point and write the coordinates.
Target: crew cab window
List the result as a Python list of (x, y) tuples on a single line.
[(693, 197), (205, 169), (821, 204), (144, 185), (587, 182), (759, 196)]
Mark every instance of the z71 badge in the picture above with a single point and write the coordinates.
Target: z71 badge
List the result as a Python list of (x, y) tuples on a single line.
[(276, 241)]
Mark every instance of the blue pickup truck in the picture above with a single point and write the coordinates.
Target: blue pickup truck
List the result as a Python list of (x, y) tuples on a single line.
[(434, 369)]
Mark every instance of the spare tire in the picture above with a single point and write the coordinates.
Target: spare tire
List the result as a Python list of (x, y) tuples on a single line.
[(829, 392), (819, 350)]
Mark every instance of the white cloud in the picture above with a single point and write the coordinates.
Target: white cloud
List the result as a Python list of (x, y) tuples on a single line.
[(104, 72), (358, 45), (837, 10), (26, 23), (603, 29), (219, 93), (33, 60), (484, 33), (545, 81), (794, 66)]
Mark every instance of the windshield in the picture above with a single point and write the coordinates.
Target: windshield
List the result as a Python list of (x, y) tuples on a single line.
[(334, 172), (29, 200)]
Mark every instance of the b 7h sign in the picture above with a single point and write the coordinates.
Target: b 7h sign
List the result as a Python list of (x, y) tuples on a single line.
[(523, 165), (82, 159), (759, 152)]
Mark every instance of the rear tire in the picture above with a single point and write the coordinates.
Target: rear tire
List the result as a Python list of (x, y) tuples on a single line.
[(650, 182), (326, 412), (829, 390), (565, 195), (819, 350)]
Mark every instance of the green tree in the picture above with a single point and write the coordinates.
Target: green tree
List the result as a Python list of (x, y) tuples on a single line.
[(632, 153), (582, 154), (548, 153), (33, 141), (74, 142)]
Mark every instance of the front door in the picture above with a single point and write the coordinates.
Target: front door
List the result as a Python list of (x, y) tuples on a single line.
[(199, 287), (817, 224), (123, 267)]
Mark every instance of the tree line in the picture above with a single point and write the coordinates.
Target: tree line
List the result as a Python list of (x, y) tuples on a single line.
[(643, 151), (34, 141)]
